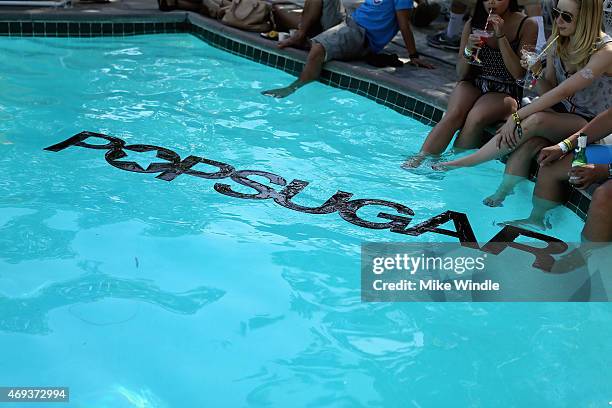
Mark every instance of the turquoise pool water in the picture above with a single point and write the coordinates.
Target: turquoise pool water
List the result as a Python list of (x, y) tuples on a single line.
[(137, 292)]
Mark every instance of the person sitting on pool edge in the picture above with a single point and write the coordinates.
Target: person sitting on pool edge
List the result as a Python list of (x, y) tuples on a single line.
[(317, 16), (486, 94), (371, 27), (556, 169), (575, 87)]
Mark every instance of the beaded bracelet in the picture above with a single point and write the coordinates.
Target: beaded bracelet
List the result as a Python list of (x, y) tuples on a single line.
[(516, 118), (519, 128)]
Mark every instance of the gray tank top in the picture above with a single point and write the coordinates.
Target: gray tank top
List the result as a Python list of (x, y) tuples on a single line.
[(592, 100)]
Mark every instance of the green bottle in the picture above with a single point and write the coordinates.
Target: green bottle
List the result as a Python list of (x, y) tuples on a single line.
[(580, 158)]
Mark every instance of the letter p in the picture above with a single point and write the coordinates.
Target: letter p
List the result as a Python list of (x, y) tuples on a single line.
[(79, 138)]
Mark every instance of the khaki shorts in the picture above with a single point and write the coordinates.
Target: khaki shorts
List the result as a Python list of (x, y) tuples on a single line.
[(345, 41)]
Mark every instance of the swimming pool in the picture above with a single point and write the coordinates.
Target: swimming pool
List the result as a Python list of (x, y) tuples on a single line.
[(134, 291)]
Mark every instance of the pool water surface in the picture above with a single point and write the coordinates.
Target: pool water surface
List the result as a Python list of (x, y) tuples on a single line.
[(139, 292)]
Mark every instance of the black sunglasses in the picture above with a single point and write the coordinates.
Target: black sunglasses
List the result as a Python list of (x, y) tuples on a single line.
[(567, 17)]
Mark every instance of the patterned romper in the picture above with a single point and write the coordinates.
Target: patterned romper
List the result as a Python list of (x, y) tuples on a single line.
[(493, 76)]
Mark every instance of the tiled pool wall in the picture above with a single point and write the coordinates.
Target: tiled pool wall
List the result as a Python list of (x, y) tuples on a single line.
[(404, 104), (50, 28), (407, 105)]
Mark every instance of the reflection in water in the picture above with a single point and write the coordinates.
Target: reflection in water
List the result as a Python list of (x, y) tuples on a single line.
[(29, 314)]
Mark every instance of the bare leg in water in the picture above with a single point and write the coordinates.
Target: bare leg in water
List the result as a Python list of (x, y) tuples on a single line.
[(598, 227), (517, 170), (550, 191), (311, 15), (461, 100), (550, 125), (312, 70)]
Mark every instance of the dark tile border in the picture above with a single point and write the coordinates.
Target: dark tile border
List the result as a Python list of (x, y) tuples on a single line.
[(59, 28), (404, 104)]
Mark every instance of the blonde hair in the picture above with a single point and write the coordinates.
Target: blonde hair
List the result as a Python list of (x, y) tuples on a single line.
[(578, 48)]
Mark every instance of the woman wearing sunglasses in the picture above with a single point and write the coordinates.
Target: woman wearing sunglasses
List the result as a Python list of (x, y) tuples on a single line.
[(488, 93), (576, 86)]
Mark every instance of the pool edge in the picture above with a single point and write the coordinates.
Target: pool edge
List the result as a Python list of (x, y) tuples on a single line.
[(404, 98)]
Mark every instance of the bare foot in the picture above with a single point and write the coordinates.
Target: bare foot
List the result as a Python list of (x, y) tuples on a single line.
[(280, 92), (444, 166), (297, 41), (414, 161), (540, 224), (497, 199)]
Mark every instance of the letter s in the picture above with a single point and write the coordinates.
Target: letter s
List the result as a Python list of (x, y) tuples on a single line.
[(241, 177)]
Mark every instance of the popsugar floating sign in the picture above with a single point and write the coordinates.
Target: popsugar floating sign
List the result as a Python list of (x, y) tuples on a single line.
[(341, 202)]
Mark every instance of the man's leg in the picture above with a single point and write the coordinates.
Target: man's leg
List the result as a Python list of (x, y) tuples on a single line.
[(311, 71), (345, 42), (311, 15), (287, 16), (318, 16), (450, 38)]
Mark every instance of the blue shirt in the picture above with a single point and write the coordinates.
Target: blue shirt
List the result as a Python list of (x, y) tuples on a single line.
[(378, 18)]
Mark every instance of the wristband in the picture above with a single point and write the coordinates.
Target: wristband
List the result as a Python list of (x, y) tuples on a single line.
[(499, 37), (563, 147), (467, 53), (516, 118)]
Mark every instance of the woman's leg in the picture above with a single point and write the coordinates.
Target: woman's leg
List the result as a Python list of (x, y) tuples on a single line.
[(460, 102), (598, 227), (517, 169), (489, 109), (550, 190), (550, 125)]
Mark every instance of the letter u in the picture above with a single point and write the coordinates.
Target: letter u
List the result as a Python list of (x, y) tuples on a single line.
[(333, 204)]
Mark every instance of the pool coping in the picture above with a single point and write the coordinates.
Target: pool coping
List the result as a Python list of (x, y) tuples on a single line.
[(405, 97)]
